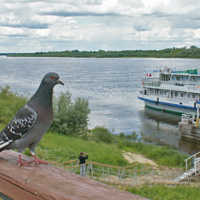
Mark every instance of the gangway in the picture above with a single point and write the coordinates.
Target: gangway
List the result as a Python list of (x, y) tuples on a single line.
[(192, 167)]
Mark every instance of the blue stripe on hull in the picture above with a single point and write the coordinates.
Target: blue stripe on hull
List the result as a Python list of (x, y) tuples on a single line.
[(168, 104)]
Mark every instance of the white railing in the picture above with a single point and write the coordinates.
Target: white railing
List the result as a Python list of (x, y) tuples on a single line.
[(188, 118), (193, 162), (157, 82)]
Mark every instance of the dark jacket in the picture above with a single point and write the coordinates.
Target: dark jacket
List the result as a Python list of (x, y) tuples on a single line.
[(82, 159)]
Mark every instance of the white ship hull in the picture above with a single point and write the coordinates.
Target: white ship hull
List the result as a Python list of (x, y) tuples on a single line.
[(165, 106)]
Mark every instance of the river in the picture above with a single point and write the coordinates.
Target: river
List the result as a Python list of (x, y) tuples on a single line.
[(110, 85)]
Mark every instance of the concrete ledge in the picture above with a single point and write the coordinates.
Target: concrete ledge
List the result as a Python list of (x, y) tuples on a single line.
[(189, 131)]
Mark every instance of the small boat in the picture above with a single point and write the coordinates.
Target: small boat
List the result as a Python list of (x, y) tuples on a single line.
[(171, 90)]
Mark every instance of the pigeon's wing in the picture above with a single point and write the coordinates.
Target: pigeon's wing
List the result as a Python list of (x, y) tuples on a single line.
[(20, 125)]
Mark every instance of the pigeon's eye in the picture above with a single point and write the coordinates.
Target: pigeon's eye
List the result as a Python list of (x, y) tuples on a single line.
[(52, 77)]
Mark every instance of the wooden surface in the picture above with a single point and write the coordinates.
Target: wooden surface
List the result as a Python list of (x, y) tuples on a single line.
[(34, 182)]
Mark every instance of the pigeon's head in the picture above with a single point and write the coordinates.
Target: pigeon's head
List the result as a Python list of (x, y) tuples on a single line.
[(52, 78)]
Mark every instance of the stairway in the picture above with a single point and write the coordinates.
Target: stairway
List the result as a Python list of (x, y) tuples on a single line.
[(193, 160), (185, 175)]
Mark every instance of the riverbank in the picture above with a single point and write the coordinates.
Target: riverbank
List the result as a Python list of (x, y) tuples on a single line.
[(192, 52)]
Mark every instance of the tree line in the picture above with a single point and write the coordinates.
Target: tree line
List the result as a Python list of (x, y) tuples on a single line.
[(183, 52)]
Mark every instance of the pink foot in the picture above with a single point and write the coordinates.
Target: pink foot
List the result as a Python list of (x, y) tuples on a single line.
[(20, 162), (37, 161)]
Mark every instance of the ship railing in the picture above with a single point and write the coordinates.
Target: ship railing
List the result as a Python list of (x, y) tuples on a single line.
[(156, 82), (188, 118), (151, 82)]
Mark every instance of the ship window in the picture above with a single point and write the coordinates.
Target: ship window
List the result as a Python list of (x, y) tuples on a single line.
[(176, 94), (173, 78), (184, 78), (182, 94), (178, 78), (193, 96), (188, 95), (194, 79)]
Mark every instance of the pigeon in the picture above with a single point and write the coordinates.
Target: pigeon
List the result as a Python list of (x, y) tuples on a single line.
[(32, 121)]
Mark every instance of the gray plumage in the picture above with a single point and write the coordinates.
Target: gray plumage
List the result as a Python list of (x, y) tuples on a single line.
[(33, 120)]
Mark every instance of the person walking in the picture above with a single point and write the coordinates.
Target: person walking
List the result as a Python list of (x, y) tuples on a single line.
[(82, 158)]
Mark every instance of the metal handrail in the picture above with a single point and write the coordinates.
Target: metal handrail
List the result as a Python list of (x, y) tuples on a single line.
[(192, 156)]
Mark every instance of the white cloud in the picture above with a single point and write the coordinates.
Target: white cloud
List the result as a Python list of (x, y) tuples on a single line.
[(95, 24)]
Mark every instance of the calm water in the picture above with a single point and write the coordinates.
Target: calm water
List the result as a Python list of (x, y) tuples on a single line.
[(111, 85)]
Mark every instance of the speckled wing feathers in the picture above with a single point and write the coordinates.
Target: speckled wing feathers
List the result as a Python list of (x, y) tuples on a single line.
[(19, 126)]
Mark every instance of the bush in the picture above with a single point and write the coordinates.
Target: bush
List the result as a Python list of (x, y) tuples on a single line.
[(70, 117), (122, 136), (102, 134), (10, 103), (132, 136)]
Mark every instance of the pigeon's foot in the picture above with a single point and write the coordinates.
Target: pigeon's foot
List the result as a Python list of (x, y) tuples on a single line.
[(38, 161), (20, 162)]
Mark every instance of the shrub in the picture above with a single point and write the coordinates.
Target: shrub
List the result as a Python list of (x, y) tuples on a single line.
[(102, 134), (10, 103), (122, 136), (70, 117), (132, 136)]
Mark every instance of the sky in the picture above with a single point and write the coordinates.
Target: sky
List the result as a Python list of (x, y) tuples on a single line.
[(91, 25)]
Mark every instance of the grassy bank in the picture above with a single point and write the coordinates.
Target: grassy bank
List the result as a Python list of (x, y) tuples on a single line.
[(192, 52), (60, 148), (158, 192)]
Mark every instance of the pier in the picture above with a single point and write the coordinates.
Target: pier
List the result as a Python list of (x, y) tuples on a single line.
[(189, 127)]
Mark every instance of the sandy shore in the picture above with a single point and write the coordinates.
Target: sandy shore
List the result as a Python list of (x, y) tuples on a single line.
[(133, 157)]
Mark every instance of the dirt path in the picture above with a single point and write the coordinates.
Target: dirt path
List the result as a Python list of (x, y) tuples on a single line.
[(133, 157)]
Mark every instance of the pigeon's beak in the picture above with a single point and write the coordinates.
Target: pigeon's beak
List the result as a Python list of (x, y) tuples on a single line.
[(60, 82)]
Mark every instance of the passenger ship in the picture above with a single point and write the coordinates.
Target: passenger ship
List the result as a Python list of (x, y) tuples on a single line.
[(171, 90)]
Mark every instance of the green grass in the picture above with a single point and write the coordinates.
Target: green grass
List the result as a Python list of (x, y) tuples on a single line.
[(161, 192), (60, 148), (10, 103)]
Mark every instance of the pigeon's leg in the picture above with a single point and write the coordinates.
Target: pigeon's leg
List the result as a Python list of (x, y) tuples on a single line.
[(36, 160), (20, 162)]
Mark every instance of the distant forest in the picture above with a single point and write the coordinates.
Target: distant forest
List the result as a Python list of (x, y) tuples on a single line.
[(192, 52)]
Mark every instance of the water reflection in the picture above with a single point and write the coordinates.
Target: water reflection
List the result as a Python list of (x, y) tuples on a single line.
[(162, 129)]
